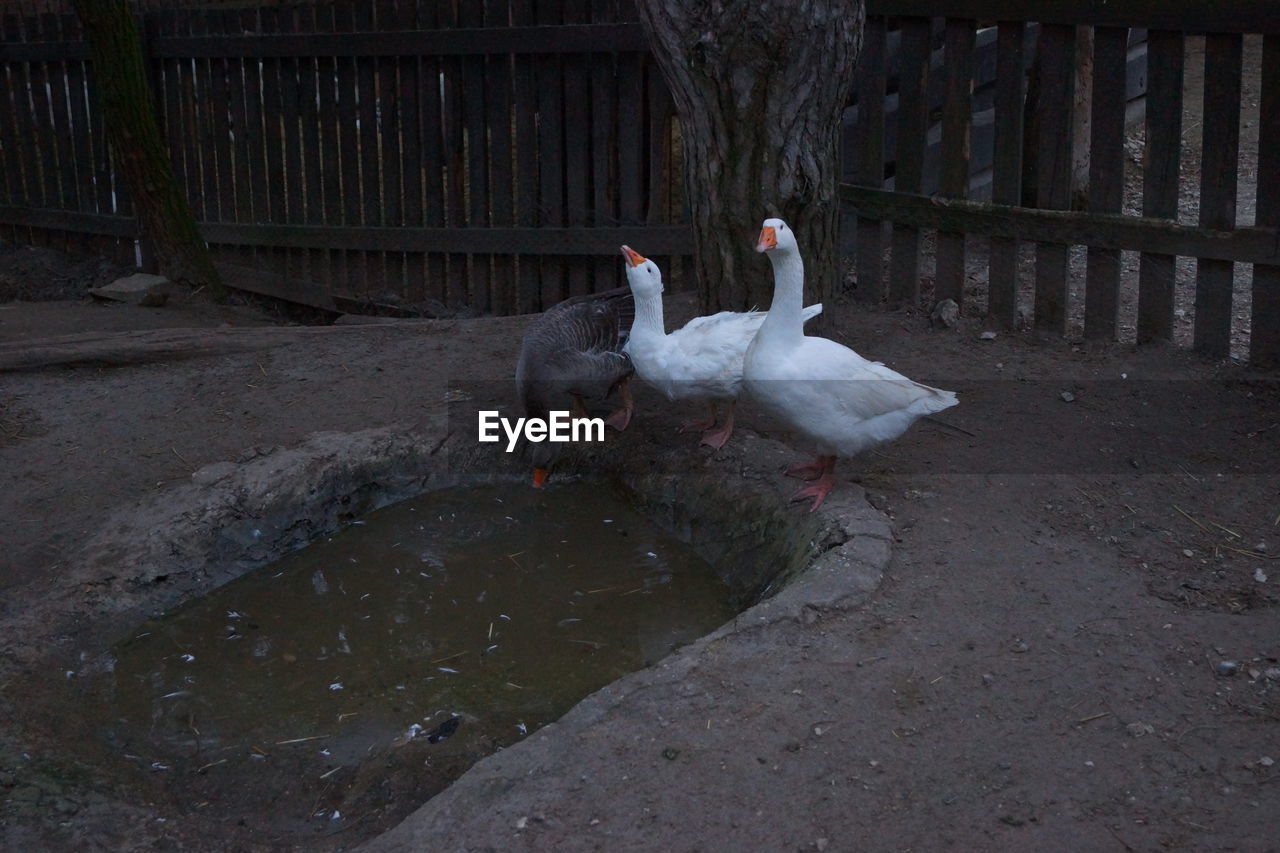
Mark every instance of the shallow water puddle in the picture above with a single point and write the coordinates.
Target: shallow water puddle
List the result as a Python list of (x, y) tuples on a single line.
[(426, 636)]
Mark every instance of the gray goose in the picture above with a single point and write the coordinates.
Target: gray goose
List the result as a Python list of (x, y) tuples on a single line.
[(574, 350)]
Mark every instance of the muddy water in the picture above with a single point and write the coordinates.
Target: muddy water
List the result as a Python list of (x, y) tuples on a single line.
[(357, 677)]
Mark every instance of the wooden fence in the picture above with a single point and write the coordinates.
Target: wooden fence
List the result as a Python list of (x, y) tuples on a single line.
[(481, 154), (494, 154), (880, 191)]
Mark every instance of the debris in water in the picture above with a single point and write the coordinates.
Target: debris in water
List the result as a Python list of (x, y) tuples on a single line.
[(1259, 575), (523, 729), (444, 730), (447, 669), (188, 658), (337, 685), (318, 583)]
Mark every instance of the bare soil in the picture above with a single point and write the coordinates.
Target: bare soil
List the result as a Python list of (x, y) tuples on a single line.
[(1041, 667)]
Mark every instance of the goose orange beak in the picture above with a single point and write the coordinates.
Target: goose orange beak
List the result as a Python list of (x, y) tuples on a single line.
[(768, 239), (634, 258), (539, 477)]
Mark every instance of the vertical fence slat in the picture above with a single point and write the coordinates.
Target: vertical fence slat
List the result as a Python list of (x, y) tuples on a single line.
[(957, 121), (432, 154), (391, 160), (577, 137), (913, 126), (373, 263), (474, 109), (411, 153), (297, 265), (1218, 165), (1106, 178), (223, 127), (525, 98), (60, 117), (604, 116), (1053, 167), (310, 80), (241, 152), (1264, 342), (44, 187), (82, 150), (869, 148), (1006, 169), (1160, 165), (348, 151), (547, 68), (455, 154), (11, 152)]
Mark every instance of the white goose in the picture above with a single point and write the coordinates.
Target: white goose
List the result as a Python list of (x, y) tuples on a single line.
[(841, 402), (701, 361)]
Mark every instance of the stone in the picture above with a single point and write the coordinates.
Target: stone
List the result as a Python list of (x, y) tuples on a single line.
[(142, 288), (945, 314)]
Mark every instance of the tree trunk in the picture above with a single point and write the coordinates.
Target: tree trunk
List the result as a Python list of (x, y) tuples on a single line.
[(137, 147), (759, 86)]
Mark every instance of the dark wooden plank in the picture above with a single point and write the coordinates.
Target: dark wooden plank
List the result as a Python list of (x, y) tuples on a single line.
[(432, 109), (185, 115), (868, 147), (350, 274), (291, 96), (1133, 233), (60, 118), (220, 108), (240, 119), (1053, 168), (604, 118), (529, 297), (261, 180), (44, 187), (550, 82), (66, 220), (390, 113), (550, 241), (456, 291), (409, 80), (1006, 169), (1161, 159), (577, 138), (480, 298), (912, 132), (498, 118), (1106, 178), (312, 76), (446, 40), (82, 139), (1264, 342), (209, 126), (957, 120), (374, 272), (1198, 16), (1219, 163), (12, 183)]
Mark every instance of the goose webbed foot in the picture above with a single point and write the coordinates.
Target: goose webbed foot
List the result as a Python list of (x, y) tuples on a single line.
[(619, 419), (809, 470), (821, 485), (715, 439)]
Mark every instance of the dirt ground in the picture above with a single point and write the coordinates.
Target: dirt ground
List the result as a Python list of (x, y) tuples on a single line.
[(1044, 666)]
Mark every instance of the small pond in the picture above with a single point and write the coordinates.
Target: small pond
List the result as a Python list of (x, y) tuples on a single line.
[(355, 678)]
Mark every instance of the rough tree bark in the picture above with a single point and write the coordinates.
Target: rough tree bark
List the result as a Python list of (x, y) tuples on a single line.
[(137, 147), (759, 86)]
